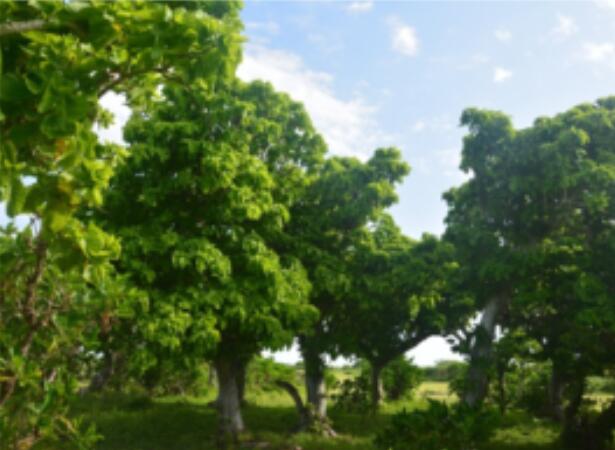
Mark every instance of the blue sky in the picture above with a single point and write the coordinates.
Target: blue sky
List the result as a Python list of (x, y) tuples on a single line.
[(400, 73)]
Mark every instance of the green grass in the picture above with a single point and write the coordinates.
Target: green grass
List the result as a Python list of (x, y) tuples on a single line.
[(188, 423)]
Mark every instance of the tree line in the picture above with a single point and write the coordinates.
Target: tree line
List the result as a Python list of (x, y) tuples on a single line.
[(223, 228)]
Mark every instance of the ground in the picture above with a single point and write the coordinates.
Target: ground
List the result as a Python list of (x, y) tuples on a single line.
[(130, 422)]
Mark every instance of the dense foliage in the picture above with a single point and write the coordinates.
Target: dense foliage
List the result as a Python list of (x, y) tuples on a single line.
[(56, 60)]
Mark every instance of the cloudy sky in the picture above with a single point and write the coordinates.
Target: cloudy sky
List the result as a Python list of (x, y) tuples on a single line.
[(400, 73)]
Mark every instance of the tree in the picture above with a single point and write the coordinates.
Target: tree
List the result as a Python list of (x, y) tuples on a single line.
[(400, 295), (56, 60), (531, 227), (208, 184), (343, 196)]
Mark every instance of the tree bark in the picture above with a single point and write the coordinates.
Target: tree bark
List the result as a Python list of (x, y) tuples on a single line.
[(571, 412), (305, 418), (229, 407), (477, 380), (242, 367), (315, 383), (376, 385)]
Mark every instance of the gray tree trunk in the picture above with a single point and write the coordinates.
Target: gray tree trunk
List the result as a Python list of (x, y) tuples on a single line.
[(477, 380), (376, 386), (315, 384), (229, 407), (241, 381)]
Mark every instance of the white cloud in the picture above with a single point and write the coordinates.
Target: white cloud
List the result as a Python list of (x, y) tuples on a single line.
[(609, 4), (603, 52), (566, 26), (404, 38), (348, 126), (503, 35), (500, 74), (360, 6)]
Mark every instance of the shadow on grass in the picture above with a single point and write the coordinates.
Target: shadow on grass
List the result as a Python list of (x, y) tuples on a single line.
[(137, 423)]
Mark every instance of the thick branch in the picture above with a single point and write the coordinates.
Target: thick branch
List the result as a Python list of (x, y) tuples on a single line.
[(294, 393), (6, 29)]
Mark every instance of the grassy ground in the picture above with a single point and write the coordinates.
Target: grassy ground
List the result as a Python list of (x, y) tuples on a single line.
[(183, 423)]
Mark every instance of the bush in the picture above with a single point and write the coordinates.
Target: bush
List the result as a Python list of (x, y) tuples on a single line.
[(600, 385), (439, 427), (262, 373), (353, 394), (169, 378), (445, 371), (401, 378)]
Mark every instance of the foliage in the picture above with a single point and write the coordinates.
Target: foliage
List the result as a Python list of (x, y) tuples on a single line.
[(601, 385), (439, 427), (264, 372), (400, 293), (444, 371), (524, 385), (341, 198), (352, 394), (54, 67), (400, 378), (531, 228), (167, 379)]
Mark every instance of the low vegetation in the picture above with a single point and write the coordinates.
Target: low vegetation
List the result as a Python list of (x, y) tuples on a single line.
[(136, 421)]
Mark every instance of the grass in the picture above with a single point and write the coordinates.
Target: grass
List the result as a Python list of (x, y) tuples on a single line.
[(188, 423)]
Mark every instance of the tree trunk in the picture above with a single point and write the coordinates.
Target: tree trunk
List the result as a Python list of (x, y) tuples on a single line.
[(571, 412), (211, 375), (376, 386), (305, 418), (229, 407), (315, 384), (112, 362), (477, 380), (241, 381)]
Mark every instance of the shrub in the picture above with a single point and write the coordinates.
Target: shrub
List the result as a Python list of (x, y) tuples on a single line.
[(445, 371), (439, 427), (353, 394), (400, 378), (172, 378)]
